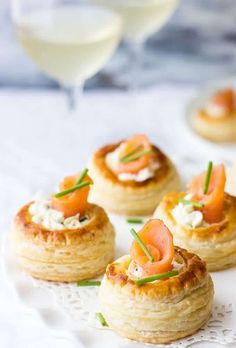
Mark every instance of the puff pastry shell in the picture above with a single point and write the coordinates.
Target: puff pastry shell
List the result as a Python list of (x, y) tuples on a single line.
[(64, 255), (158, 312), (215, 243), (130, 197), (215, 129)]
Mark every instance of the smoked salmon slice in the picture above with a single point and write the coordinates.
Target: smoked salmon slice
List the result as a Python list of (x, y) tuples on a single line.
[(225, 99), (159, 241), (75, 202), (213, 200), (135, 145)]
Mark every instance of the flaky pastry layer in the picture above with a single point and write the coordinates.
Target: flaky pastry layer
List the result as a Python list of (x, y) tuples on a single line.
[(215, 129), (64, 255), (130, 197), (162, 311), (215, 243)]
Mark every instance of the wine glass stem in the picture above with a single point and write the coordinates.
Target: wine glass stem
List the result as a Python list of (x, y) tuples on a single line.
[(136, 59), (74, 94)]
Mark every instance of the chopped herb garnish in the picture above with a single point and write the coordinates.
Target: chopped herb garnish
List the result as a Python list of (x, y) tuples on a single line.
[(82, 176), (193, 203), (207, 178), (72, 189), (156, 277), (142, 245), (83, 218), (134, 221), (136, 156), (101, 319), (89, 283), (130, 153)]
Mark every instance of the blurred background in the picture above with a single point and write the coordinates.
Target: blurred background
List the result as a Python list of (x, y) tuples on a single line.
[(196, 45)]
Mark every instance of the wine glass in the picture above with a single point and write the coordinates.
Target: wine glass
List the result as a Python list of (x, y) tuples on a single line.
[(141, 18), (70, 40)]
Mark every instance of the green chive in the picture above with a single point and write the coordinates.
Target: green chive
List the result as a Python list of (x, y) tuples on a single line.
[(102, 319), (136, 156), (207, 178), (134, 221), (193, 203), (130, 153), (82, 176), (156, 277), (83, 218), (142, 245), (89, 283), (72, 189)]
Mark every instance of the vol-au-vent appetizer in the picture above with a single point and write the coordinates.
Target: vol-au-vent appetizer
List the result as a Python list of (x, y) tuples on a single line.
[(158, 293), (203, 219), (131, 176), (64, 238), (216, 120)]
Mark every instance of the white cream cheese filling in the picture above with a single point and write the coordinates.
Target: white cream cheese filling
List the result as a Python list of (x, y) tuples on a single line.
[(135, 271), (214, 110), (51, 219), (112, 162), (186, 216)]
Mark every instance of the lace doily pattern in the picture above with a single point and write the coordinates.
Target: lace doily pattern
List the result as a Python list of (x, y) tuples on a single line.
[(81, 305)]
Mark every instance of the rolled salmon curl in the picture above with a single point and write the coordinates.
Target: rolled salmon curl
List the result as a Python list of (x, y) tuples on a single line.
[(213, 200), (75, 202), (225, 99), (140, 143), (159, 241)]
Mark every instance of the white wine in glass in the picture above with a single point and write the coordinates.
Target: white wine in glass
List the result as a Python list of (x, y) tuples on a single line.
[(68, 42), (141, 18)]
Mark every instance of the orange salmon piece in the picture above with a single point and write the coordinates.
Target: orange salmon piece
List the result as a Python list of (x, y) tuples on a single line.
[(159, 241)]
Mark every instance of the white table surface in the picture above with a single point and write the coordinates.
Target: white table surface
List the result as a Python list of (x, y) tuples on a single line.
[(37, 137)]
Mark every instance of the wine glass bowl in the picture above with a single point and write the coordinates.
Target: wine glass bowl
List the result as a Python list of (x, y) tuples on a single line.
[(69, 42), (141, 18)]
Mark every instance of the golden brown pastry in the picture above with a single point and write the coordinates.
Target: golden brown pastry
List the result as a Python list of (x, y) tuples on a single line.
[(70, 243), (135, 187), (208, 229), (158, 311), (217, 120)]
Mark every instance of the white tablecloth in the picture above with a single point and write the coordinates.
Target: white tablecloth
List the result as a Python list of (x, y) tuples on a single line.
[(38, 138)]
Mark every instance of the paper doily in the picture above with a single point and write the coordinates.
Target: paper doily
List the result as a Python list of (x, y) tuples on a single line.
[(81, 305)]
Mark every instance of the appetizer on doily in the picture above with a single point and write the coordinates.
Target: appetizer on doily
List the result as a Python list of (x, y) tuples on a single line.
[(203, 219), (64, 238), (158, 293), (131, 176)]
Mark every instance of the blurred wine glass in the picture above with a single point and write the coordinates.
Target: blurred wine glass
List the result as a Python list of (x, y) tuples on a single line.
[(141, 18), (69, 40)]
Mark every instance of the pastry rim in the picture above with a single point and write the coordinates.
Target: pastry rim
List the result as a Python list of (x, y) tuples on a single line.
[(190, 275), (23, 223), (210, 232), (160, 173)]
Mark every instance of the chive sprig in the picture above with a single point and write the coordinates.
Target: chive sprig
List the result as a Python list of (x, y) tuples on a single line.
[(207, 178), (142, 245), (134, 221), (135, 156), (72, 189), (190, 202), (82, 176), (132, 152), (156, 277), (101, 319), (89, 283), (79, 185)]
